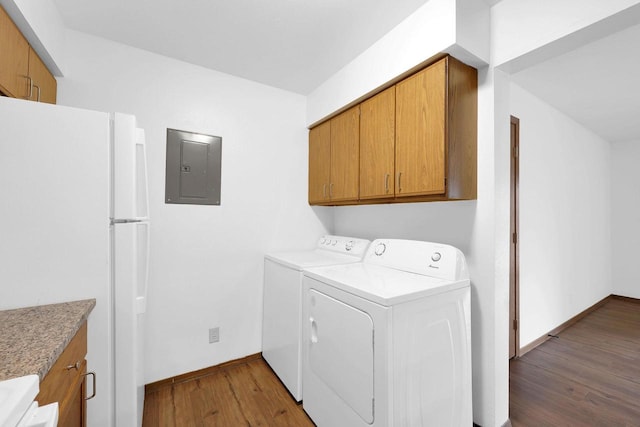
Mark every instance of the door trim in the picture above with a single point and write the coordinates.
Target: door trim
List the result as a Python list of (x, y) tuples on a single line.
[(514, 263)]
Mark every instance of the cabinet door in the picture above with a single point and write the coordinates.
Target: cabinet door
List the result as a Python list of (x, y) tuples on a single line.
[(14, 59), (75, 413), (319, 163), (45, 85), (420, 132), (345, 155), (377, 145)]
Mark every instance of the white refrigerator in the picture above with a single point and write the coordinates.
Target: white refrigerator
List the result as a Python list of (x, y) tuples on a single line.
[(74, 224)]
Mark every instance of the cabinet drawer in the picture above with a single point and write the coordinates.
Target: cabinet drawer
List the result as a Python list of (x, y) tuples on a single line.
[(61, 379)]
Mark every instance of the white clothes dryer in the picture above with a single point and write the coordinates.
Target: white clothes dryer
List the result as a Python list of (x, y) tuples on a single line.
[(387, 341), (282, 306)]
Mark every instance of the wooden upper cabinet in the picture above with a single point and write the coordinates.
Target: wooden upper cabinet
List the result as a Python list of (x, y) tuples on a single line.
[(345, 155), (319, 163), (22, 72), (44, 84), (377, 145), (420, 132), (14, 59), (414, 141)]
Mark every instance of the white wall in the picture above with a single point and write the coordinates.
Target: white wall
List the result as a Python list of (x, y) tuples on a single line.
[(625, 197), (206, 261), (432, 29), (565, 216), (527, 31)]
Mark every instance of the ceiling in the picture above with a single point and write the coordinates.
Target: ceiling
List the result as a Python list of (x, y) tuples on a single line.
[(290, 44), (598, 85), (298, 44)]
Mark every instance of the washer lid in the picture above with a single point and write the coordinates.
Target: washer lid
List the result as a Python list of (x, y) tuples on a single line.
[(308, 259), (385, 286)]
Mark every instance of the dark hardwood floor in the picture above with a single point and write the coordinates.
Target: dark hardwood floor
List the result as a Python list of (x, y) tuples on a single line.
[(588, 376), (241, 394)]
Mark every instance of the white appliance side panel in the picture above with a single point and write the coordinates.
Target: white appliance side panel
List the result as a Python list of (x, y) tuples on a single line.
[(281, 324), (432, 361), (341, 351), (54, 169), (124, 153), (129, 385)]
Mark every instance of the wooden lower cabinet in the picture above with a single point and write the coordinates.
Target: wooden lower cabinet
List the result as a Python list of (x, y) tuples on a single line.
[(65, 383)]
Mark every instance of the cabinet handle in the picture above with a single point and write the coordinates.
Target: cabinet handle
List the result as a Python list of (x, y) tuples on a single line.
[(75, 366), (386, 182), (399, 182), (331, 190), (324, 191), (93, 374), (37, 87), (30, 87)]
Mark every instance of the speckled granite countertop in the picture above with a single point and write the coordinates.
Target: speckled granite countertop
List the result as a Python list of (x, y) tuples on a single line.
[(32, 338)]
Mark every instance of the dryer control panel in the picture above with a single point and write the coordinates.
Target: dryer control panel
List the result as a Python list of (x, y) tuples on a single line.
[(426, 258)]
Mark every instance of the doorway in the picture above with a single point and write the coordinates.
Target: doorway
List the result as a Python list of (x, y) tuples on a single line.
[(514, 269)]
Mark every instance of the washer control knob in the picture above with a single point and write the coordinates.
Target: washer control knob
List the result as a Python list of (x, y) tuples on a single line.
[(333, 243), (380, 249), (349, 245), (435, 257), (322, 241)]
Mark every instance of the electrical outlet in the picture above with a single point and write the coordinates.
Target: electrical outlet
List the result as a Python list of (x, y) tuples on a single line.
[(214, 335)]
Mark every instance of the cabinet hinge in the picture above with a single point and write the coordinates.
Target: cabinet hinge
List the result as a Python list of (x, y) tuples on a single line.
[(514, 238), (515, 324), (515, 151)]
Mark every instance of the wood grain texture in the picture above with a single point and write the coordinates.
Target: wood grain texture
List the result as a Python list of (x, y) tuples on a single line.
[(514, 255), (420, 132), (555, 331), (462, 130), (14, 58), (377, 145), (65, 385), (42, 79), (245, 393), (345, 156), (319, 163), (589, 375)]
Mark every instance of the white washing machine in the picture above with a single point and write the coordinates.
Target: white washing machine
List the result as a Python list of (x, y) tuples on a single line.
[(387, 341), (282, 309)]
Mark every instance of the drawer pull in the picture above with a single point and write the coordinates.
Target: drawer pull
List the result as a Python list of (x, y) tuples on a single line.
[(75, 366), (93, 374)]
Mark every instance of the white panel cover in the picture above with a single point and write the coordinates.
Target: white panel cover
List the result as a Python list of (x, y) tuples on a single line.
[(341, 351), (432, 380), (281, 324), (124, 166), (129, 322)]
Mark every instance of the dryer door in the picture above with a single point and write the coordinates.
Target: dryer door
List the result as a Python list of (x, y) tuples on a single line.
[(341, 351)]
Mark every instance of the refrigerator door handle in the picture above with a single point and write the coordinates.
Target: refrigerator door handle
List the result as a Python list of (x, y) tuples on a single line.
[(114, 221), (141, 298), (144, 175)]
